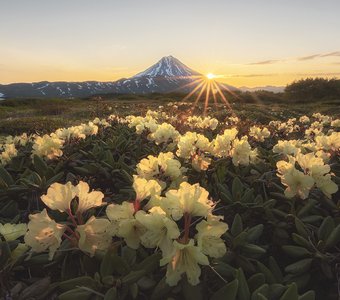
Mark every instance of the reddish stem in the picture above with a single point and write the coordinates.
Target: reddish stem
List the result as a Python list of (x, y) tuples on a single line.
[(136, 205), (187, 223)]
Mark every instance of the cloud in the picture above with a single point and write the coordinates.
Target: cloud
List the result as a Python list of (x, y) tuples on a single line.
[(335, 53), (265, 62), (301, 58), (309, 57), (250, 75)]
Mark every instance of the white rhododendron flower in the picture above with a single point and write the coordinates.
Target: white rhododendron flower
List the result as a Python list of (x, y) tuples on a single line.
[(304, 119), (291, 147), (164, 133), (209, 236), (48, 146), (59, 196), (94, 235), (131, 230), (87, 199), (329, 143), (145, 188), (185, 258), (190, 143), (11, 232), (43, 233), (160, 168), (190, 199), (160, 229), (118, 213), (259, 134), (9, 151), (221, 145), (297, 183), (241, 152), (336, 123)]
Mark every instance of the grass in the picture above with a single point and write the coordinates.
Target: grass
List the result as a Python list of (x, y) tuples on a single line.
[(42, 115)]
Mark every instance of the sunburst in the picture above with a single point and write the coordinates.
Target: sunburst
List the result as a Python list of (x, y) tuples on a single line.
[(210, 87)]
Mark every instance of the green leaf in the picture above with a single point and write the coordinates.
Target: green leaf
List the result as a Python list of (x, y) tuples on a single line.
[(291, 293), (266, 272), (256, 281), (254, 233), (334, 238), (301, 228), (237, 226), (149, 264), (263, 290), (296, 251), (310, 295), (6, 177), (301, 241), (229, 291), (161, 290), (113, 264), (243, 289), (300, 266), (133, 276), (275, 269), (5, 254), (111, 294), (39, 165), (76, 293), (252, 250), (237, 189), (85, 281), (192, 291), (326, 228)]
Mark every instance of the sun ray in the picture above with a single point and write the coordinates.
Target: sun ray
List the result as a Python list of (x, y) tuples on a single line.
[(207, 98), (193, 91), (196, 81), (199, 95), (222, 96)]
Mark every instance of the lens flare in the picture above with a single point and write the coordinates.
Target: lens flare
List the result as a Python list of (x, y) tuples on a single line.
[(213, 91), (210, 76)]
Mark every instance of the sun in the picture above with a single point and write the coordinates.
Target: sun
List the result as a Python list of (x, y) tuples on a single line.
[(210, 76)]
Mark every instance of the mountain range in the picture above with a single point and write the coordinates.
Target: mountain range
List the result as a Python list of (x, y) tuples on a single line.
[(167, 75)]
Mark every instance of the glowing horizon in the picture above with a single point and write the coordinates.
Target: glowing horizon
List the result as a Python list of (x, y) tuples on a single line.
[(245, 44)]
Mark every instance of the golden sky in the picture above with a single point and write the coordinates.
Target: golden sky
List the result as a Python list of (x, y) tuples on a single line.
[(247, 43)]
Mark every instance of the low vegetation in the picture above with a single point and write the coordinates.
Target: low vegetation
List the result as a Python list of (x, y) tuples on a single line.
[(167, 204)]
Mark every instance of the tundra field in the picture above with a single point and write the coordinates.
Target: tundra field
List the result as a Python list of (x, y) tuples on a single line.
[(160, 199)]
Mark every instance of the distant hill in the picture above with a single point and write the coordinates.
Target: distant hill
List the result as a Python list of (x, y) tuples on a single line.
[(166, 76), (269, 88)]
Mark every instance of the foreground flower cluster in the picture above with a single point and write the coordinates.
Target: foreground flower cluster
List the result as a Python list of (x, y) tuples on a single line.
[(171, 212)]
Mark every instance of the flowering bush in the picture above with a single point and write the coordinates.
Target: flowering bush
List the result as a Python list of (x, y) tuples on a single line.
[(159, 206)]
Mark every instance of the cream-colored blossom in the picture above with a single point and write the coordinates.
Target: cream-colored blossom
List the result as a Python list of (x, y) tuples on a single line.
[(208, 237), (145, 188), (160, 229), (118, 213), (297, 183), (191, 199), (185, 258), (9, 151), (94, 235), (48, 146), (59, 196), (87, 199), (241, 151), (259, 134), (221, 145), (43, 233)]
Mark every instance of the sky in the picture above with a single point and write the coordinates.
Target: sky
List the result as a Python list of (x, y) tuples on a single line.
[(247, 43)]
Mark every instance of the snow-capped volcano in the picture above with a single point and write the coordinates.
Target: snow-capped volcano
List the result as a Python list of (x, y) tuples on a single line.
[(168, 66), (167, 75)]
